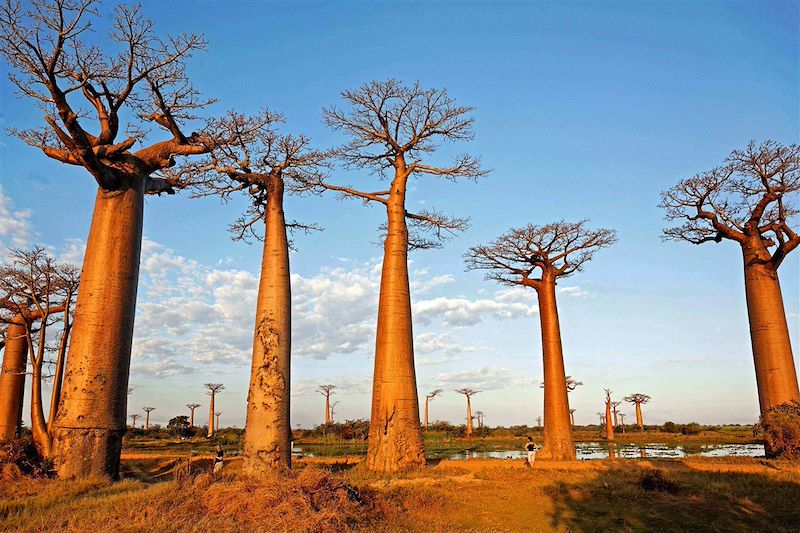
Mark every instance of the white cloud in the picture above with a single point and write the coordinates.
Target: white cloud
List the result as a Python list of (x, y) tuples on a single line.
[(16, 229), (484, 378), (573, 292)]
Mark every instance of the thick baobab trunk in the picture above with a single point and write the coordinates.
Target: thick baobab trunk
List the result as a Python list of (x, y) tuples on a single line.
[(558, 442), (12, 379), (211, 415), (267, 440), (639, 420), (327, 409), (191, 418), (609, 422), (769, 334), (91, 420), (395, 436), (469, 418)]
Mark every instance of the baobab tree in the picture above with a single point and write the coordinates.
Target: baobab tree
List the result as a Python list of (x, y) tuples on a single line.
[(88, 90), (217, 415), (192, 407), (147, 410), (750, 200), (551, 252), (35, 289), (213, 389), (572, 417), (134, 417), (468, 394), (614, 406), (609, 422), (393, 129), (479, 417), (428, 397), (333, 411), (538, 421), (638, 399), (622, 421), (250, 157), (327, 391)]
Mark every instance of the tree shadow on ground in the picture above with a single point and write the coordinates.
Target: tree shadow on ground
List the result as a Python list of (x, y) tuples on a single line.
[(626, 499)]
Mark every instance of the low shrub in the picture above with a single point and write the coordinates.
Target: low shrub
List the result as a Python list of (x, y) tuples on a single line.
[(781, 427), (20, 456), (654, 481)]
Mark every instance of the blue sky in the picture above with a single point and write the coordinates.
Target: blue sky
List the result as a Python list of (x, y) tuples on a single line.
[(583, 110)]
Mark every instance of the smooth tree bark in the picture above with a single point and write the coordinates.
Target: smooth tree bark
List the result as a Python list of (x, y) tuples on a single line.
[(327, 391), (428, 398), (750, 200), (192, 407), (12, 378), (393, 129), (251, 157), (552, 251), (609, 421), (98, 85), (637, 399), (468, 394), (217, 415), (213, 389), (147, 410)]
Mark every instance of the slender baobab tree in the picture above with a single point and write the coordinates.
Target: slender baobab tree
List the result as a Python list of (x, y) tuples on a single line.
[(608, 420), (614, 406), (750, 200), (147, 410), (468, 394), (333, 411), (538, 421), (428, 397), (192, 407), (637, 400), (572, 417), (88, 88), (552, 251), (35, 290), (213, 389), (622, 421), (252, 158), (217, 415), (134, 417), (327, 391), (393, 129), (479, 417)]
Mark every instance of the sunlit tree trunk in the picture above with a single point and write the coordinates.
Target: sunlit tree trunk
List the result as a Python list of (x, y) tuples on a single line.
[(267, 429), (639, 420), (395, 436), (558, 441), (90, 424), (58, 377), (12, 379), (38, 423), (469, 418), (772, 351), (609, 422), (427, 401), (211, 415), (327, 409)]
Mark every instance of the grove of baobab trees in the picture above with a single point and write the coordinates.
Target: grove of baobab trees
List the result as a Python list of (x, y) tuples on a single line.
[(393, 129), (749, 200), (251, 157), (536, 257), (92, 93)]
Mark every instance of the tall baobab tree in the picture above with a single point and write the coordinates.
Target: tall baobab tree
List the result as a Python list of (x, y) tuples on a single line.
[(750, 200), (614, 406), (551, 252), (468, 394), (393, 129), (87, 90), (213, 389), (251, 157), (192, 407), (572, 417), (147, 410), (217, 415), (637, 400), (327, 391), (609, 422), (134, 417), (428, 397), (34, 290)]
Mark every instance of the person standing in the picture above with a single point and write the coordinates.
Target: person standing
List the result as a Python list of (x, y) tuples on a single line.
[(219, 457), (530, 448)]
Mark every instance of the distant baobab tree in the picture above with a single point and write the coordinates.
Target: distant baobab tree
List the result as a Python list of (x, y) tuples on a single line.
[(147, 410), (217, 415), (327, 391), (192, 407), (251, 157), (34, 291), (393, 129), (608, 420), (479, 417), (638, 399), (538, 421), (550, 252), (213, 389), (602, 418), (571, 383), (124, 85), (333, 411), (134, 417), (572, 417), (614, 406), (622, 421), (750, 200), (428, 397), (468, 394)]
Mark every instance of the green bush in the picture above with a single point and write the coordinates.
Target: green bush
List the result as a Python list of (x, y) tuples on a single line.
[(781, 426)]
